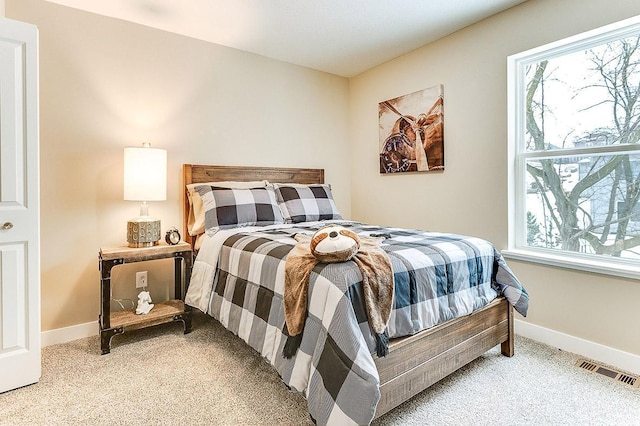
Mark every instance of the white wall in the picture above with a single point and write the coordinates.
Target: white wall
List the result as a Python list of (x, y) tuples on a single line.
[(106, 84), (470, 196)]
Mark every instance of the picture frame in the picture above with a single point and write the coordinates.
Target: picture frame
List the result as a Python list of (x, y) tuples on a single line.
[(412, 132)]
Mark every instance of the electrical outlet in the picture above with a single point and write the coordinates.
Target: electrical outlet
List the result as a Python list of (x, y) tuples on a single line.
[(141, 279)]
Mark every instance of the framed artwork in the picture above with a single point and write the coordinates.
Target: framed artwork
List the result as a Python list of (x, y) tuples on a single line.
[(412, 132)]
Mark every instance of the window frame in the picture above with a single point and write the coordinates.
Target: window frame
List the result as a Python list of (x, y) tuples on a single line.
[(518, 155)]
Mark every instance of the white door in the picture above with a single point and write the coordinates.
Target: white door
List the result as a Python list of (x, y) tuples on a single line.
[(19, 206)]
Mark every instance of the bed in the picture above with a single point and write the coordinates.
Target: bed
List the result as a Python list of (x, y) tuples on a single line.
[(413, 363)]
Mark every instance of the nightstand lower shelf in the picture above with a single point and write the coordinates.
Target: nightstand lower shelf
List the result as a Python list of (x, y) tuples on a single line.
[(171, 310), (127, 320)]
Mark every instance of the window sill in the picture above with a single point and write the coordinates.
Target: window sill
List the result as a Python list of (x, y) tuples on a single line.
[(598, 266)]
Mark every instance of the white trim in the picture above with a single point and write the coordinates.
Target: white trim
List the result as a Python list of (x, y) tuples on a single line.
[(68, 334), (614, 357), (618, 267), (624, 360), (517, 154)]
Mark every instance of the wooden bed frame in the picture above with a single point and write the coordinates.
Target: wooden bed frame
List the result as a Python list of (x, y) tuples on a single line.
[(416, 362)]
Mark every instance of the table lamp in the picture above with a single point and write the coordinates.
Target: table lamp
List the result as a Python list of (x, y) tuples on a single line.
[(145, 179)]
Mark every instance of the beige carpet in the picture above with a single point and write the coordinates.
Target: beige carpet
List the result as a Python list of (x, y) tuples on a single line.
[(159, 376)]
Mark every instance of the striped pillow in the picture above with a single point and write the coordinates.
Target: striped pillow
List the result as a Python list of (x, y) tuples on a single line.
[(306, 203), (234, 207)]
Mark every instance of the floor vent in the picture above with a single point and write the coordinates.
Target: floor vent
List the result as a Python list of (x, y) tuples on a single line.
[(612, 374)]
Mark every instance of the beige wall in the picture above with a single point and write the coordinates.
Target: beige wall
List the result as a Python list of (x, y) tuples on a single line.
[(1, 8), (106, 84), (470, 196)]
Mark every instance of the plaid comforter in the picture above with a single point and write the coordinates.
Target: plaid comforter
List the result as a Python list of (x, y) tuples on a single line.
[(437, 277)]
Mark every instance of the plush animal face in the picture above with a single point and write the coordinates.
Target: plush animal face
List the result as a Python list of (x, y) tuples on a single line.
[(334, 243)]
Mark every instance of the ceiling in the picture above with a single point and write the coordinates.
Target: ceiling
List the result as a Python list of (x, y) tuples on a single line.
[(343, 37)]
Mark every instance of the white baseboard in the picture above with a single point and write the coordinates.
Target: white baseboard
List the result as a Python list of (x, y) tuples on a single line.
[(68, 334), (595, 351), (616, 358)]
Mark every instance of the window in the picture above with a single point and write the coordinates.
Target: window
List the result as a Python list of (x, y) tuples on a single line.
[(574, 152)]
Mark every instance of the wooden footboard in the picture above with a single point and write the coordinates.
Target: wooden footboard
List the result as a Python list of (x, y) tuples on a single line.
[(416, 362)]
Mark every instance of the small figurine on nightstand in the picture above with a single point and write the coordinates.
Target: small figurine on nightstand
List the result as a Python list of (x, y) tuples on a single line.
[(144, 303)]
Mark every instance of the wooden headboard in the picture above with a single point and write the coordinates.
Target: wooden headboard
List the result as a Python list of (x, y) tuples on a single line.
[(196, 173)]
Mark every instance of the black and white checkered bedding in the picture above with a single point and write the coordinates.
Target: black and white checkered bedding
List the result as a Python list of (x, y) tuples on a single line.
[(237, 207), (437, 277), (306, 203)]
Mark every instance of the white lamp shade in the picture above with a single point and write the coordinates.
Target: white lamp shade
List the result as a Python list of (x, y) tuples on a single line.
[(145, 174)]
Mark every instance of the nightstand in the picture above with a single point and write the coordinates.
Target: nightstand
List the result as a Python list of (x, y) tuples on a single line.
[(112, 323)]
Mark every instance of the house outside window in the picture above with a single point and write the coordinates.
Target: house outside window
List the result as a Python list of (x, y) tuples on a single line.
[(574, 152)]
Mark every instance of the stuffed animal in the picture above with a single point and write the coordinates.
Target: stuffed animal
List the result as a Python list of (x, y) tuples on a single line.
[(144, 303), (334, 243)]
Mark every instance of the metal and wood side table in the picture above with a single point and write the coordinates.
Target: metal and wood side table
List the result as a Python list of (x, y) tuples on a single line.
[(112, 323)]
